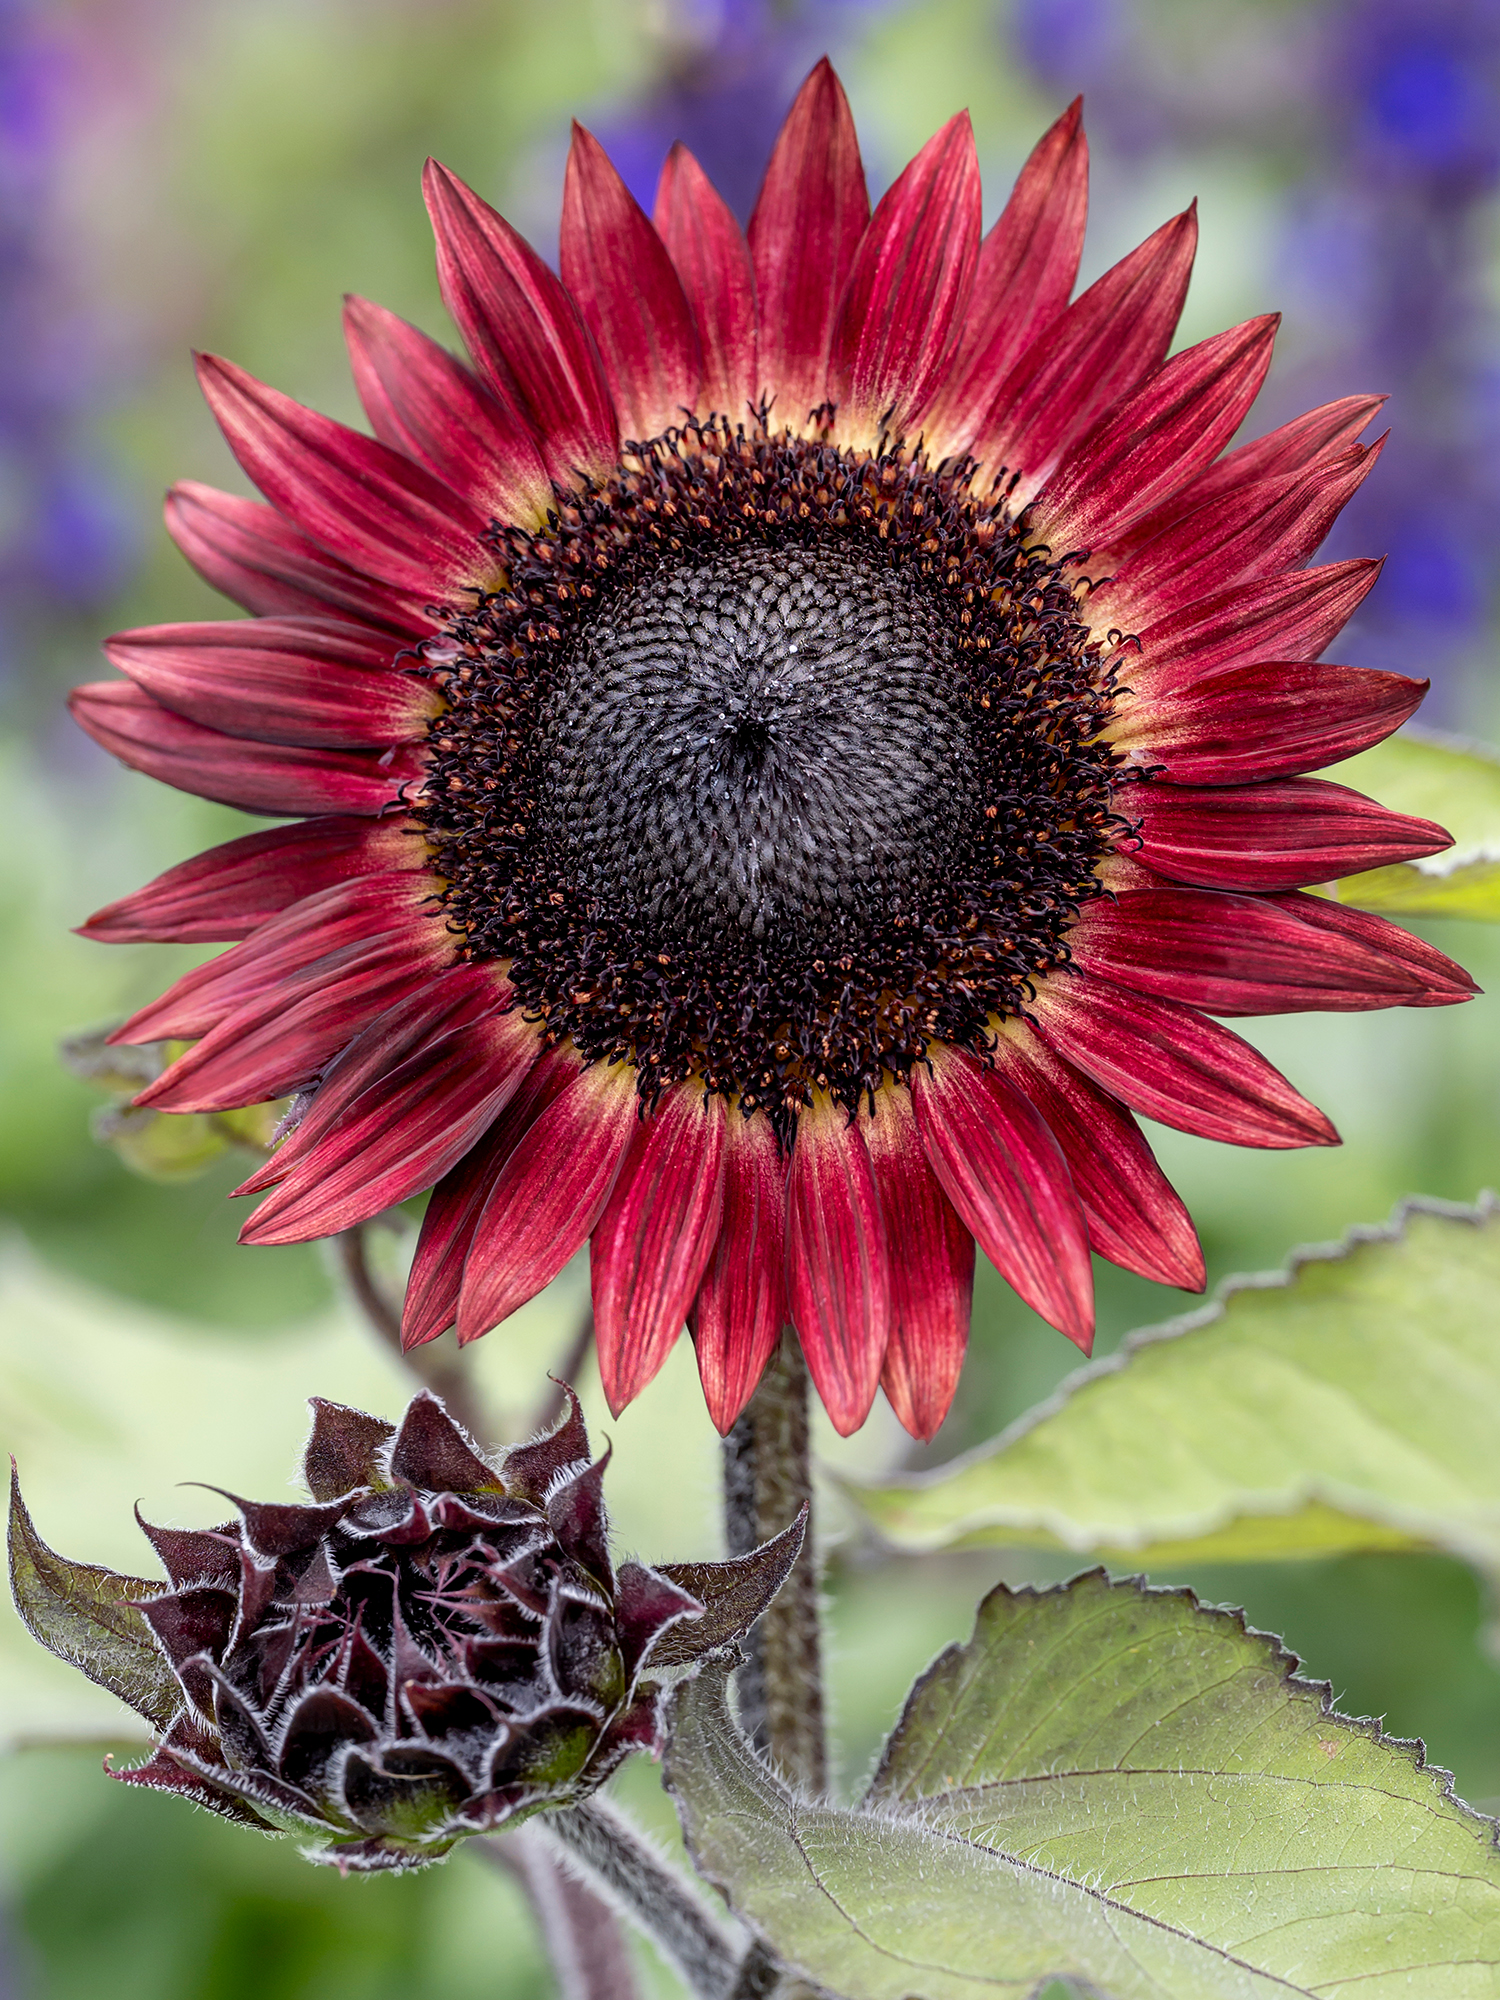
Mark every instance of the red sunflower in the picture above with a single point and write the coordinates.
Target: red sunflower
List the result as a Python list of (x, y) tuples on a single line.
[(784, 754)]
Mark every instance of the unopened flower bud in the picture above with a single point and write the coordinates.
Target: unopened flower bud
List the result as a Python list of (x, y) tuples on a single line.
[(433, 1647)]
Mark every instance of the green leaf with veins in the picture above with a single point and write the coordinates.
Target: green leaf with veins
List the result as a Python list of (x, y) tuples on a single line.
[(1349, 1402), (1112, 1785), (1454, 782)]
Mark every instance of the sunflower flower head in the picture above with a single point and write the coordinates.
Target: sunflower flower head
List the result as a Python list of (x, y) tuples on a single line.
[(433, 1647), (787, 752)]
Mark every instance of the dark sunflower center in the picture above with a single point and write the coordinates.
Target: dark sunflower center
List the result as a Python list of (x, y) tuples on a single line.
[(770, 764), (771, 742)]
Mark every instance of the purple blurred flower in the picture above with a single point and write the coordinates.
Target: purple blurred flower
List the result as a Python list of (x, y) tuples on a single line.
[(729, 69), (63, 536), (1395, 104)]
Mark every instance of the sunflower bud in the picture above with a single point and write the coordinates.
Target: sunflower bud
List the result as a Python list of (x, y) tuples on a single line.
[(433, 1647)]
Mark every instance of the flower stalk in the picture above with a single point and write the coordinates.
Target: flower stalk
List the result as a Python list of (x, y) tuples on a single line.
[(767, 1480)]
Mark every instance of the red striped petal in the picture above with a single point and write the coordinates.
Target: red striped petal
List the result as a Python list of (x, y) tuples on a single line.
[(1257, 531), (365, 503), (1023, 280), (1294, 447), (1281, 835), (741, 1304), (931, 1269), (837, 1269), (1005, 1173), (909, 285), (1273, 720), (1103, 346), (1153, 440), (1232, 955), (652, 1244), (256, 777), (809, 217), (1285, 618), (346, 913), (1440, 982), (547, 1197), (465, 995), (526, 335), (458, 1200), (617, 267), (401, 1134), (1134, 1214), (423, 402), (244, 549), (1172, 1064), (712, 260), (274, 1045), (279, 680), (223, 894)]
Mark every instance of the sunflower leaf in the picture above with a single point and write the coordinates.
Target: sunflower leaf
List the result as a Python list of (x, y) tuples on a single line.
[(1454, 782), (1349, 1402), (1111, 1785), (86, 1615)]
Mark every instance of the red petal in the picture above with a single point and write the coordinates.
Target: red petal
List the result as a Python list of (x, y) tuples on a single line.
[(548, 1196), (1004, 1172), (811, 212), (652, 1244), (525, 334), (741, 1304), (346, 913), (617, 267), (1286, 618), (1104, 345), (1440, 982), (712, 260), (401, 1134), (365, 503), (837, 1270), (279, 680), (1232, 955), (420, 401), (272, 1046), (464, 996), (1172, 1064), (256, 777), (1135, 1217), (932, 1270), (458, 1200), (223, 894), (1318, 435), (1150, 442), (1023, 280), (1273, 720), (245, 549), (910, 283), (1275, 836), (1257, 531)]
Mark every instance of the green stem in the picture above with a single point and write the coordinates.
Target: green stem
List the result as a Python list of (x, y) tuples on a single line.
[(616, 1856), (584, 1942), (767, 1478)]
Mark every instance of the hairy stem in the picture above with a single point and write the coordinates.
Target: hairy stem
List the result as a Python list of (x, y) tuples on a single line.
[(436, 1369), (767, 1477), (584, 1942), (611, 1851)]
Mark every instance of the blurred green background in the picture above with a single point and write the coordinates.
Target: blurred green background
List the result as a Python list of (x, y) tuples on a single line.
[(215, 175)]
